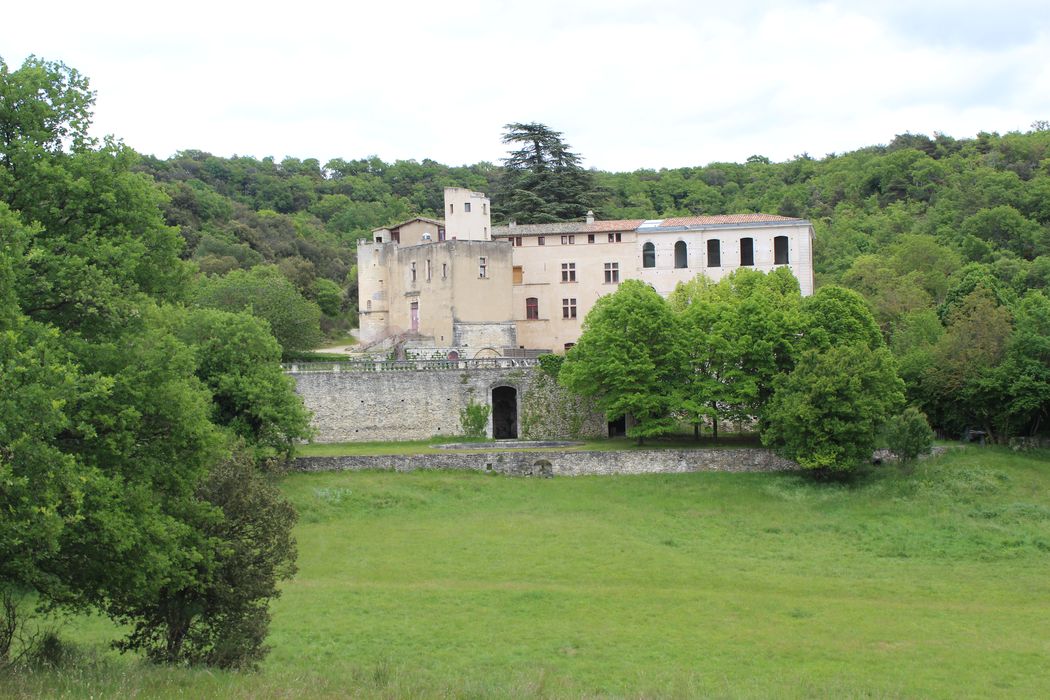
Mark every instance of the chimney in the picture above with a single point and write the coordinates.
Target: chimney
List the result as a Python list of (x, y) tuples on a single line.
[(512, 223), (590, 217)]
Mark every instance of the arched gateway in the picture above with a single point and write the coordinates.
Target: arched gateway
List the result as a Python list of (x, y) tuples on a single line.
[(505, 413)]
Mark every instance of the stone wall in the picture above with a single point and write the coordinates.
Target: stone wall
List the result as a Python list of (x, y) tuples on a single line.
[(565, 463), (546, 411), (420, 404)]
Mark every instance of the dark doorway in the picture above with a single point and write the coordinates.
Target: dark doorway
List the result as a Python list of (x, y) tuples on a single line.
[(505, 413), (618, 427)]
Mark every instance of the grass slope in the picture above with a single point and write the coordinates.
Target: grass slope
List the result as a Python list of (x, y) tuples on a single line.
[(931, 583)]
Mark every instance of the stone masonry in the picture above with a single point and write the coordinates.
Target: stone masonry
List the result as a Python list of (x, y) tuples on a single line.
[(417, 404), (551, 463)]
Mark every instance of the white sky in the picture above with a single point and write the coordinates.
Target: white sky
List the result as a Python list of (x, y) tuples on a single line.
[(631, 83)]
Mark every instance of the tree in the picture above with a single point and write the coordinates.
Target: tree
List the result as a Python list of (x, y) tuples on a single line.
[(836, 316), (238, 360), (826, 413), (630, 358), (739, 335), (44, 105), (908, 434), (219, 616), (264, 292), (108, 445), (543, 180)]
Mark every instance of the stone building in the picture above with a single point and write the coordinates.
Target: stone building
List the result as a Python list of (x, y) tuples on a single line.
[(460, 283)]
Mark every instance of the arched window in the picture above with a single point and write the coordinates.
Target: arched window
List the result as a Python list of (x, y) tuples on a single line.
[(747, 252), (714, 253), (780, 250), (681, 254), (648, 255)]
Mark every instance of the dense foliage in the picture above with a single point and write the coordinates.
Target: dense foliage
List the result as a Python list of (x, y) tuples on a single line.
[(122, 407)]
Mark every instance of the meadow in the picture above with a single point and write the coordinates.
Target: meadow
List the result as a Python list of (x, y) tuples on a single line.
[(924, 581)]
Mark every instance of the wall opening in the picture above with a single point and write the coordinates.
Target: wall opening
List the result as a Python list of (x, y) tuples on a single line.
[(780, 250), (618, 427), (681, 255), (505, 413)]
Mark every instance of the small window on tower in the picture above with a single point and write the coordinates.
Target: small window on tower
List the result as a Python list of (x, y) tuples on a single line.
[(482, 267), (466, 207)]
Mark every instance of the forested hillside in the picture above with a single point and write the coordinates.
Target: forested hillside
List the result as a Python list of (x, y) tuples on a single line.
[(944, 237)]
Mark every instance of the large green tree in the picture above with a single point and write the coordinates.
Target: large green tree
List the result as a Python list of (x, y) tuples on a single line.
[(827, 412), (267, 294), (111, 425), (543, 181), (739, 335), (631, 359)]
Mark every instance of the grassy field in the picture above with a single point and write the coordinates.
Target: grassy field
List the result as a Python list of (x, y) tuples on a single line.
[(926, 583)]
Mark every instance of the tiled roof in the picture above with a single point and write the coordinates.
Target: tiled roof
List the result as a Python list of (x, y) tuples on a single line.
[(566, 227), (725, 219), (436, 222), (634, 224)]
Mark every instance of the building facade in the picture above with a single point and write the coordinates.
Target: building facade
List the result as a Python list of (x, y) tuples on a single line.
[(462, 283)]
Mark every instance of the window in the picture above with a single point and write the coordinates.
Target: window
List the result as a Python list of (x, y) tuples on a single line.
[(568, 308), (648, 255), (681, 255), (484, 208), (451, 208), (444, 270), (532, 308), (515, 241), (714, 253), (569, 346), (483, 267), (466, 208), (428, 270), (413, 272), (516, 274), (568, 272), (780, 250), (395, 236), (614, 238), (612, 273), (540, 240), (747, 251), (441, 234), (590, 238), (568, 240)]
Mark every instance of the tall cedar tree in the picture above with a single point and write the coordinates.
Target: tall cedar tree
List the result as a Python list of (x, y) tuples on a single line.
[(543, 180)]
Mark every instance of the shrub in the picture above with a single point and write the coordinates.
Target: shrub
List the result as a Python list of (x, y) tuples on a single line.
[(473, 419), (909, 435)]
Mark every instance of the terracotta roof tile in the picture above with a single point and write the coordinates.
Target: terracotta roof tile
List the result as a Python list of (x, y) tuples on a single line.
[(566, 227), (725, 219), (436, 222)]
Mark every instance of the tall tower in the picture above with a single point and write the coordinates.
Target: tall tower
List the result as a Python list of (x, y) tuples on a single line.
[(468, 215)]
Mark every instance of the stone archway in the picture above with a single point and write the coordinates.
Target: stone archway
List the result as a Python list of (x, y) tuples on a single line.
[(504, 413)]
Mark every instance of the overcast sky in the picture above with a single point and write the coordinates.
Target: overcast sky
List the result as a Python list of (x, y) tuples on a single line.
[(631, 84)]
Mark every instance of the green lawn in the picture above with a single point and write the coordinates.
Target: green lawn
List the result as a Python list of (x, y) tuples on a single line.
[(934, 583)]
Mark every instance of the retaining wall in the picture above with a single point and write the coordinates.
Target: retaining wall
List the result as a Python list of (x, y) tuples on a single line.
[(417, 404), (564, 463)]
